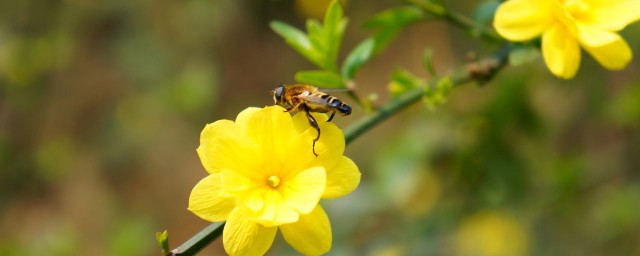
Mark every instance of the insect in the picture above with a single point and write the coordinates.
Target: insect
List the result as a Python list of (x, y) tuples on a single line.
[(308, 98)]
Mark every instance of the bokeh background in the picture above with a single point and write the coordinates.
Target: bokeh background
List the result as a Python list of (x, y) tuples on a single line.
[(102, 103)]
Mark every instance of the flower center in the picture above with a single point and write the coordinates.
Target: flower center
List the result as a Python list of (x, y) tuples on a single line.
[(576, 7), (273, 181)]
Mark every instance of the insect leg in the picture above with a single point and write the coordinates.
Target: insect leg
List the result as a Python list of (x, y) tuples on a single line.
[(331, 117), (293, 107), (314, 124)]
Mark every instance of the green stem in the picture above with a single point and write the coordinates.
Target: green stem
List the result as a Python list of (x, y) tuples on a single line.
[(200, 240)]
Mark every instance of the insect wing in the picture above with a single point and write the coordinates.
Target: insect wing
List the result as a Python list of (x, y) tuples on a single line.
[(315, 99)]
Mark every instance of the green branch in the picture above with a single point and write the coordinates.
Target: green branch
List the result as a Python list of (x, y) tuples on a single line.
[(200, 240)]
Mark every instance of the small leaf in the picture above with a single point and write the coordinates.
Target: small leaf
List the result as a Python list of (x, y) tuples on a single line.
[(438, 95), (396, 89), (163, 241), (427, 61), (523, 55), (320, 78), (292, 35), (358, 56), (333, 17), (334, 26), (315, 34), (403, 81), (444, 85), (298, 40)]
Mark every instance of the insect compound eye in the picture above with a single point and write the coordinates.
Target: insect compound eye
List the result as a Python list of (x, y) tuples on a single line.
[(277, 94)]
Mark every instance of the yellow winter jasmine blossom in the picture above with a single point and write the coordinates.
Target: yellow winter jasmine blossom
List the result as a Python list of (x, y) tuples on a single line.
[(264, 176), (567, 25)]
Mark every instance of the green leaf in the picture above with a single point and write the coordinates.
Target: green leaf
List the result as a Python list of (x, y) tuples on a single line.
[(298, 40), (427, 61), (163, 241), (444, 85), (316, 35), (333, 17), (292, 35), (334, 26), (321, 44), (358, 56), (403, 81), (438, 95), (320, 78)]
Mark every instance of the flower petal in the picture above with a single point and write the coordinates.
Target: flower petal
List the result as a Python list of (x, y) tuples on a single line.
[(561, 52), (331, 143), (236, 183), (275, 211), (271, 128), (303, 191), (342, 179), (245, 115), (254, 199), (242, 236), (594, 36), (613, 15), (311, 235), (217, 145), (613, 56), (207, 201), (521, 20)]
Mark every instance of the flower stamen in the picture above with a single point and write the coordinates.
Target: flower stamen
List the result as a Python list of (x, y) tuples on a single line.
[(273, 181)]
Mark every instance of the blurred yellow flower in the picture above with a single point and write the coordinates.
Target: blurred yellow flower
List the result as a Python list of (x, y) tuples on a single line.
[(567, 25), (263, 175), (491, 233)]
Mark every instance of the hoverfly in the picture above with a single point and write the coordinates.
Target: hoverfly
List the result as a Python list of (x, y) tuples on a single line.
[(308, 98)]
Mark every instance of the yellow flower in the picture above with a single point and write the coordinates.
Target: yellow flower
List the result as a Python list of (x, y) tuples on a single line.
[(567, 25), (264, 176)]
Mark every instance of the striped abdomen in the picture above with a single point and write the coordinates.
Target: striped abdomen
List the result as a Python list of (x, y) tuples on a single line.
[(338, 105)]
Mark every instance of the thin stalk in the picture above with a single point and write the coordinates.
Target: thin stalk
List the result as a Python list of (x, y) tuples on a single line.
[(200, 240)]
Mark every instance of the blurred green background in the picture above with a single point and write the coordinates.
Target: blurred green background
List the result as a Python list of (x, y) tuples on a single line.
[(102, 103)]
